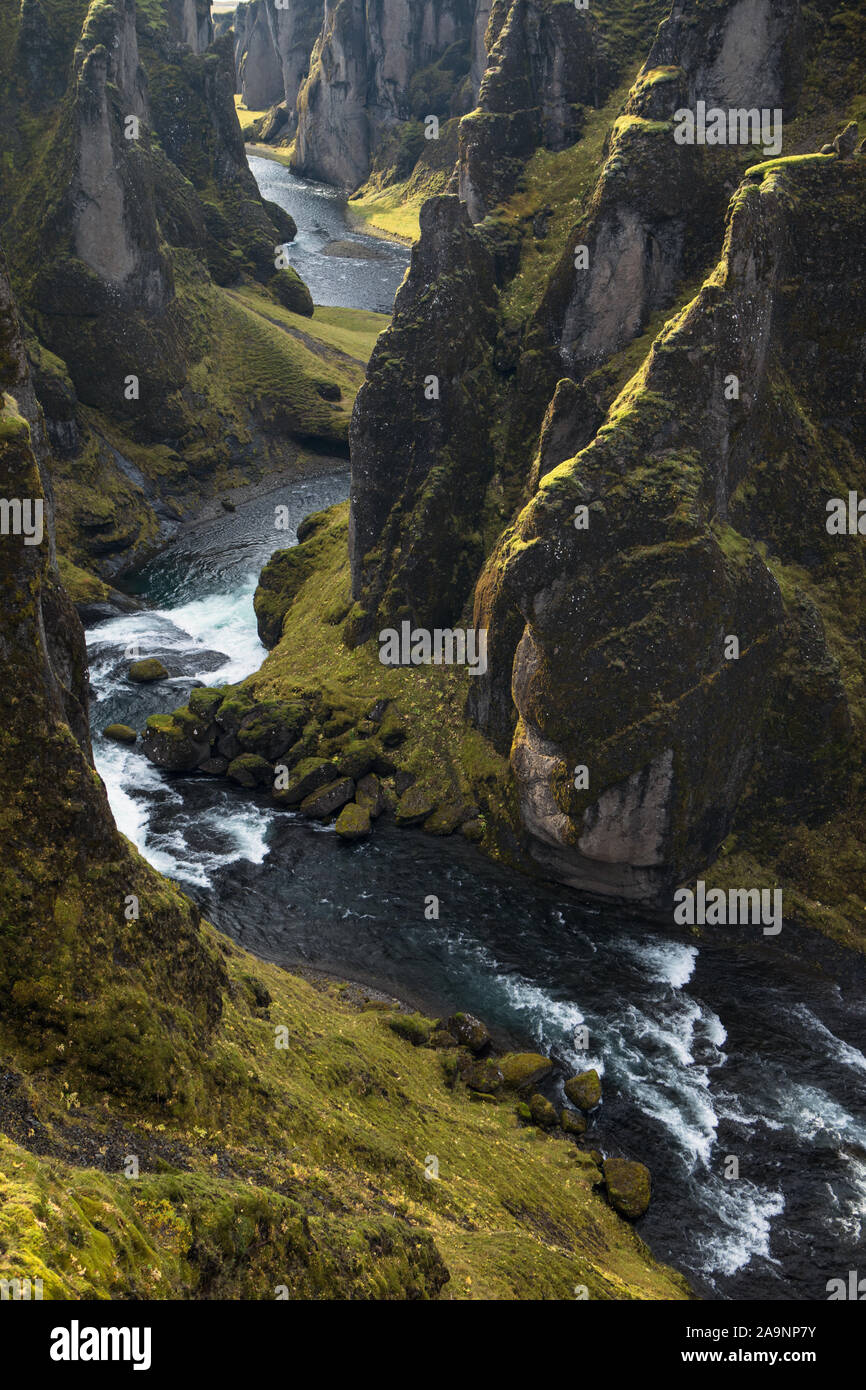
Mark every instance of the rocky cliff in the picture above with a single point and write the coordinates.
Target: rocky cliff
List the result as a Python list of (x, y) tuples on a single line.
[(131, 217), (662, 504), (272, 56)]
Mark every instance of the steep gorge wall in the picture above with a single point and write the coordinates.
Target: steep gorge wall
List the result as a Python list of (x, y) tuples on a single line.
[(358, 85), (126, 201), (607, 645)]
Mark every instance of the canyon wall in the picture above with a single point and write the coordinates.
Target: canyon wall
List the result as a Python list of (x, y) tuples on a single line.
[(672, 494)]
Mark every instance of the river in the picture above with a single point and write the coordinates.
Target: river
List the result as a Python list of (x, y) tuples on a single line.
[(734, 1046)]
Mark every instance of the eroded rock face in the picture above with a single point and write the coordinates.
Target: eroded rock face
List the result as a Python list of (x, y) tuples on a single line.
[(656, 197), (359, 77), (272, 53), (71, 964), (444, 310), (542, 67), (624, 666)]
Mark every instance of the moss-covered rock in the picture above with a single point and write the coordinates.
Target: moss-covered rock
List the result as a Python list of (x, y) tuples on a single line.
[(369, 793), (572, 1122), (584, 1090), (415, 805), (249, 770), (321, 804), (120, 733), (306, 777), (543, 1113), (150, 669), (353, 822), (289, 289), (469, 1032), (169, 746), (522, 1069), (628, 1186)]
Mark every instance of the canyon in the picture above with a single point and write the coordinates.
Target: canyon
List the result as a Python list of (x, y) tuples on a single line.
[(592, 386)]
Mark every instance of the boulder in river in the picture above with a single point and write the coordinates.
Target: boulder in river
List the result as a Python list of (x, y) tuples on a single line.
[(272, 727), (628, 1186), (170, 746), (120, 733), (584, 1090), (147, 670), (353, 822), (249, 770), (307, 777), (415, 805), (323, 803)]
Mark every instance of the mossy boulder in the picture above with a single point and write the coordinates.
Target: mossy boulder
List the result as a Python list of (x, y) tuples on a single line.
[(169, 746), (358, 758), (308, 776), (572, 1122), (543, 1113), (272, 728), (415, 805), (120, 733), (444, 820), (628, 1186), (369, 793), (205, 700), (584, 1090), (249, 770), (469, 1032), (353, 822), (521, 1069), (321, 804), (441, 1038), (288, 289), (147, 670)]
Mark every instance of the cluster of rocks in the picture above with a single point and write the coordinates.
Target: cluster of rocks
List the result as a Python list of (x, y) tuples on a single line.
[(318, 759), (489, 1078)]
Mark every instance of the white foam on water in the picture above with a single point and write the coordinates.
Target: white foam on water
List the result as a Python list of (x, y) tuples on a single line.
[(124, 772), (668, 962), (743, 1218), (223, 623)]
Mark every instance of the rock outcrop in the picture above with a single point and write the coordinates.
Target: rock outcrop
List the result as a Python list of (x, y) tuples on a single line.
[(360, 78), (656, 587), (272, 53)]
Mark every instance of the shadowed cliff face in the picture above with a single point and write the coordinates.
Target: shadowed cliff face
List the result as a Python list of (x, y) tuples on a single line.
[(544, 64), (73, 969), (358, 85), (624, 666), (674, 491), (272, 53)]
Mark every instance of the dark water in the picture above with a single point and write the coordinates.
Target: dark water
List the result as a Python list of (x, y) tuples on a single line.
[(731, 1046), (709, 1048), (320, 214)]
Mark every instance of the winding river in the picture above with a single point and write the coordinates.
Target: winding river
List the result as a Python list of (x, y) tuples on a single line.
[(733, 1045)]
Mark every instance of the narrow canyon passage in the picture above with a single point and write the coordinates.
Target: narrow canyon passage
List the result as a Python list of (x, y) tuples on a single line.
[(707, 1047)]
